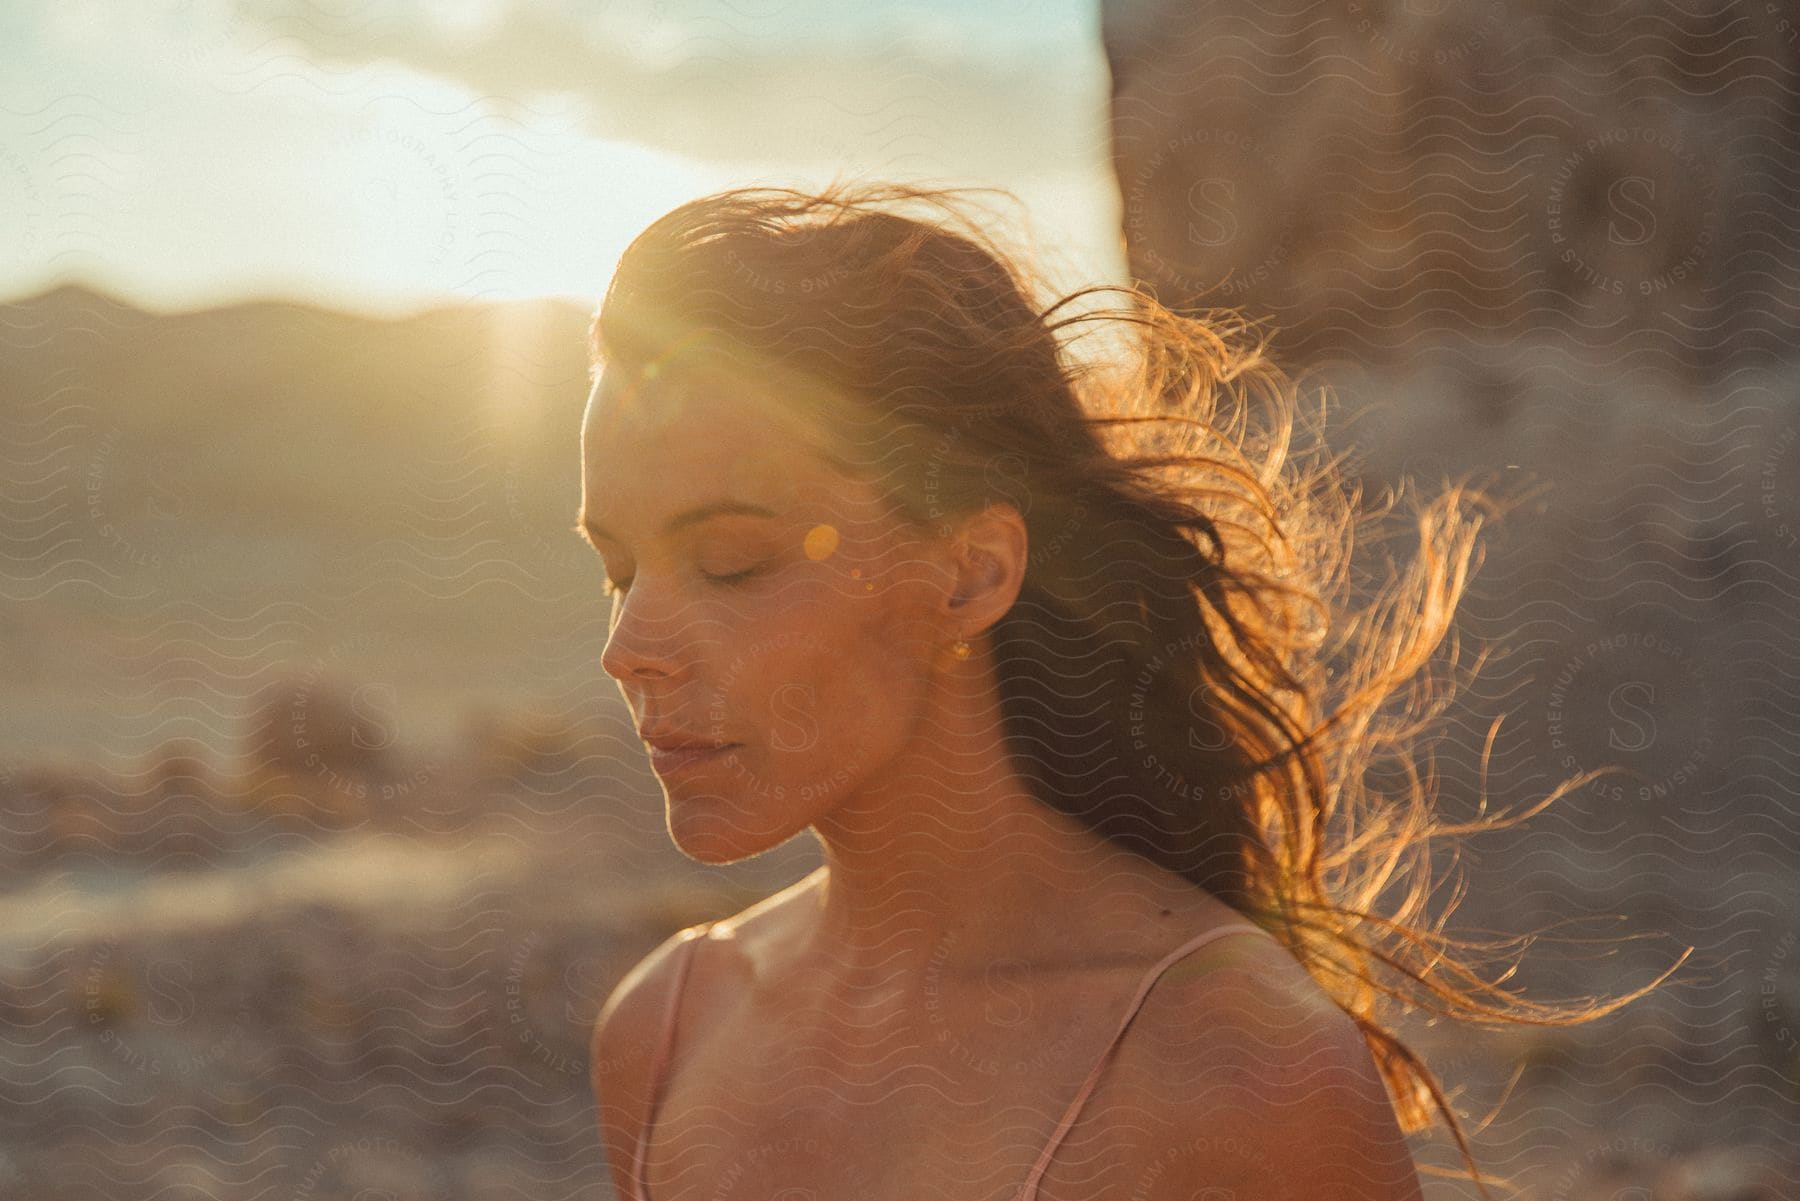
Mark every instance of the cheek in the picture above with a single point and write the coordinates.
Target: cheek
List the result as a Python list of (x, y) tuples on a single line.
[(836, 677), (877, 679)]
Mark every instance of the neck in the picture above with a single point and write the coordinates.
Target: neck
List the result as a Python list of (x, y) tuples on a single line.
[(949, 854)]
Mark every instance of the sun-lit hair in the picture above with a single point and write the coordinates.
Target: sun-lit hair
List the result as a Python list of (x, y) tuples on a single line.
[(1191, 669)]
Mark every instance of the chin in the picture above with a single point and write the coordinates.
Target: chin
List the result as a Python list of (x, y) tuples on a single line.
[(707, 831)]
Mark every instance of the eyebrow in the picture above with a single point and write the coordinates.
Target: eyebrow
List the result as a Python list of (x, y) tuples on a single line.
[(585, 526)]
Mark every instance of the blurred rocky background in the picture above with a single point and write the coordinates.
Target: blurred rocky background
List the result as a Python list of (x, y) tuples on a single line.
[(1553, 249)]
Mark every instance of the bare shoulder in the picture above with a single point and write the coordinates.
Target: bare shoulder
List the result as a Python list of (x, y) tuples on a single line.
[(622, 1047), (632, 1017), (1261, 1083)]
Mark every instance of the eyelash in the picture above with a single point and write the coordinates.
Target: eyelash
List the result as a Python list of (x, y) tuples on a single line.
[(609, 588)]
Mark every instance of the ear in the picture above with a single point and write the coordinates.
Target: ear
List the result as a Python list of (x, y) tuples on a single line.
[(989, 554)]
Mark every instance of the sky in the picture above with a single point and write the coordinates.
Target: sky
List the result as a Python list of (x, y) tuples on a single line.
[(383, 155)]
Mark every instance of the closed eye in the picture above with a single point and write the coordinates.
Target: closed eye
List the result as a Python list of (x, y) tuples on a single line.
[(611, 588)]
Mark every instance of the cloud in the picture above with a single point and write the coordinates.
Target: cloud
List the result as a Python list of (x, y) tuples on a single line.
[(740, 80)]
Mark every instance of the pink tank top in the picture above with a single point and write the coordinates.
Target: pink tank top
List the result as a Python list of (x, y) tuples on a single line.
[(1029, 1191)]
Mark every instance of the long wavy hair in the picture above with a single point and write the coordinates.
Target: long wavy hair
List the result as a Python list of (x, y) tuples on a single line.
[(1191, 668)]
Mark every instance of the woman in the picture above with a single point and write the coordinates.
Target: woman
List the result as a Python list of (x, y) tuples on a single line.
[(1035, 639)]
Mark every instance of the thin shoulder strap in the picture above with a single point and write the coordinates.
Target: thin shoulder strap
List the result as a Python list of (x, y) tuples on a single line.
[(1029, 1191), (665, 1044)]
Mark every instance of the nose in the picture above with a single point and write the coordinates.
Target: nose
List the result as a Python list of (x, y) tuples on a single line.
[(650, 637)]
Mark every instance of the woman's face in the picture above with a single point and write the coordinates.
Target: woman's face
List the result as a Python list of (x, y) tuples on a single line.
[(764, 599)]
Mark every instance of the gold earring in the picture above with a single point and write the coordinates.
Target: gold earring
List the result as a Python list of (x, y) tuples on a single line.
[(960, 649)]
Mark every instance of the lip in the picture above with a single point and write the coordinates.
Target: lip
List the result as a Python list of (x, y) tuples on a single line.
[(674, 738), (666, 760)]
